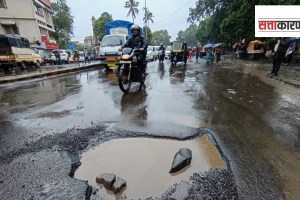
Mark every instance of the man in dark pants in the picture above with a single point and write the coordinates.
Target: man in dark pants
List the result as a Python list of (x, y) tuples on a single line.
[(139, 42), (283, 45)]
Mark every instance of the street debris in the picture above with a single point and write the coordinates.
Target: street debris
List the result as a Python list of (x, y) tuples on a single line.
[(181, 159)]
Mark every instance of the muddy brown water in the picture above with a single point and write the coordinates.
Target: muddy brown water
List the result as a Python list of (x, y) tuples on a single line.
[(145, 164)]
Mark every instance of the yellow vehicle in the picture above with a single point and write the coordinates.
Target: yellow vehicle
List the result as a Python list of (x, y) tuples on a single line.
[(256, 50), (178, 52), (15, 50)]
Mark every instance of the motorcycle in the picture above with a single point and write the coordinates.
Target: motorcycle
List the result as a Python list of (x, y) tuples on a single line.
[(161, 56), (130, 71)]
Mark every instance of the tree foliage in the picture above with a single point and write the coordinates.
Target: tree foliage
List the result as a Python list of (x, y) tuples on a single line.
[(148, 17), (206, 8), (132, 5), (189, 35), (63, 23), (99, 28), (227, 20), (160, 36)]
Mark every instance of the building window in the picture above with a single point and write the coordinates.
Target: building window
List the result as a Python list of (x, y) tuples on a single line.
[(11, 29), (3, 4), (39, 11)]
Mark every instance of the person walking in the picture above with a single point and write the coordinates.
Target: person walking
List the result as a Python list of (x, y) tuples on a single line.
[(57, 58), (69, 56), (86, 56), (190, 55), (280, 50), (212, 56), (218, 53), (208, 56)]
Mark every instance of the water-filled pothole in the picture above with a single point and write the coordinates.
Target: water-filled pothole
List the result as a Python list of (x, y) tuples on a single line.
[(145, 164)]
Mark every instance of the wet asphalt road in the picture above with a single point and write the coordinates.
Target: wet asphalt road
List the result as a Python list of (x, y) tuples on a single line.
[(47, 124)]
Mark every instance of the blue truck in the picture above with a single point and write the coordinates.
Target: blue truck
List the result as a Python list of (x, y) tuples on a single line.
[(117, 33)]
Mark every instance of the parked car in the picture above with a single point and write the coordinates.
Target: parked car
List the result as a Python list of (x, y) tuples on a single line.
[(47, 58), (151, 53), (63, 55)]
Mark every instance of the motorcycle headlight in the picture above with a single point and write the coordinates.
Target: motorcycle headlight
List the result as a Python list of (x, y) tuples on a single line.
[(125, 57)]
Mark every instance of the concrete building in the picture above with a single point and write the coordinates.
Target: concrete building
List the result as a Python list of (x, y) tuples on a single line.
[(31, 19), (88, 41)]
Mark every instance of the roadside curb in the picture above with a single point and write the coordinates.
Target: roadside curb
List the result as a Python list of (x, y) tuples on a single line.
[(50, 73), (284, 80)]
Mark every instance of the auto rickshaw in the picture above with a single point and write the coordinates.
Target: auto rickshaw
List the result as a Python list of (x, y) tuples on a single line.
[(256, 50), (178, 52)]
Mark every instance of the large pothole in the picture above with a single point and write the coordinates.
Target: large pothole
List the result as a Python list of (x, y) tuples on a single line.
[(145, 164)]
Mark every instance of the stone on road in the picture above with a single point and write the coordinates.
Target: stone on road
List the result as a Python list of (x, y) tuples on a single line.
[(107, 179), (181, 159), (118, 185)]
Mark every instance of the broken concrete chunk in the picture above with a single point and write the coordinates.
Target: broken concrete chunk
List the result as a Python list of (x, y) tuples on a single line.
[(118, 185), (181, 159), (179, 191), (106, 179)]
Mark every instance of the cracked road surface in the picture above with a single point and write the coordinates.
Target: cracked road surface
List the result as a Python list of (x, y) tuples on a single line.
[(48, 124)]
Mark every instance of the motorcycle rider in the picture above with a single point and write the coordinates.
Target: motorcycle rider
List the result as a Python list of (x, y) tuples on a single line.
[(162, 48), (137, 42)]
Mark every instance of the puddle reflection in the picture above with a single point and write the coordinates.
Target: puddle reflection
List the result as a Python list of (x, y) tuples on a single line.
[(134, 107)]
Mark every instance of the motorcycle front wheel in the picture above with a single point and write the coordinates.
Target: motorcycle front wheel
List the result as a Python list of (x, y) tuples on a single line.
[(124, 81)]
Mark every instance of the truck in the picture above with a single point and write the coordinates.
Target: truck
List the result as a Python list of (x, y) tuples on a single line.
[(117, 32), (15, 51)]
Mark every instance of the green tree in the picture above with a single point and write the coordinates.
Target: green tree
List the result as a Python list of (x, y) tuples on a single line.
[(160, 36), (189, 35), (180, 36), (202, 34), (79, 47), (99, 28), (228, 20), (133, 10), (63, 23), (206, 8), (148, 17)]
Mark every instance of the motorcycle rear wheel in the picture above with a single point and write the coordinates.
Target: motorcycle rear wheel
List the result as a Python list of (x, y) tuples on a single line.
[(124, 82)]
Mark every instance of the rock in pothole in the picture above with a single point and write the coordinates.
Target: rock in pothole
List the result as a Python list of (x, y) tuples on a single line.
[(107, 179), (181, 159), (118, 185)]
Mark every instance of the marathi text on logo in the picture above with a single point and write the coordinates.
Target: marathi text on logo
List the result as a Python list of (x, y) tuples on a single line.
[(274, 25)]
